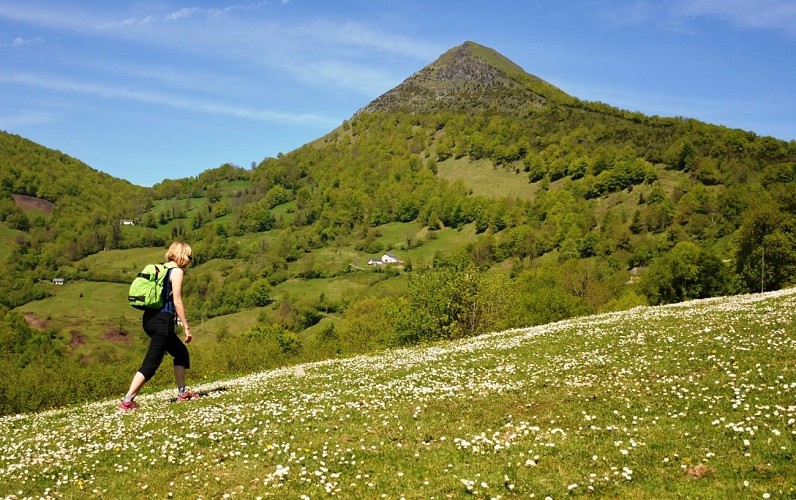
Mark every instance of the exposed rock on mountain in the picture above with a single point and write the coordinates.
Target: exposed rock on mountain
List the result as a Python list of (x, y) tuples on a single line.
[(468, 77)]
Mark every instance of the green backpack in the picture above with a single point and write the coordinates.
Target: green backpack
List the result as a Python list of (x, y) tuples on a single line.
[(146, 291)]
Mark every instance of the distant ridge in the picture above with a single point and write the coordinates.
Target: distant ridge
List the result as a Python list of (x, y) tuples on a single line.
[(468, 77)]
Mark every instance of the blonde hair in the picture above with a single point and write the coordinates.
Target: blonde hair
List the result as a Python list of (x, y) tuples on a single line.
[(180, 253)]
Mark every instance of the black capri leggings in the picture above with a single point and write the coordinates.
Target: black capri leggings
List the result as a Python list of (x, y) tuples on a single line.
[(160, 328)]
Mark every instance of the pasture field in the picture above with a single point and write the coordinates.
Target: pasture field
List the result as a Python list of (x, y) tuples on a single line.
[(394, 234), (484, 179), (285, 213), (339, 289), (92, 317), (7, 236), (438, 241), (128, 262), (693, 400)]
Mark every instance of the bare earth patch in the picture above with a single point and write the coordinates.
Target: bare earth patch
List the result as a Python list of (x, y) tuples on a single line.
[(30, 203), (699, 471), (35, 321), (77, 339), (116, 335)]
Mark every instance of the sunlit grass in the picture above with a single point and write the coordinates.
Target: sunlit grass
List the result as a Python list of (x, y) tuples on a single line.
[(485, 179), (128, 261), (442, 241), (7, 237), (695, 400), (72, 310)]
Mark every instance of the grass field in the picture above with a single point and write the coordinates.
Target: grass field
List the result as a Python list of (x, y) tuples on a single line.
[(93, 318), (125, 261), (444, 241), (486, 180), (694, 400), (7, 236)]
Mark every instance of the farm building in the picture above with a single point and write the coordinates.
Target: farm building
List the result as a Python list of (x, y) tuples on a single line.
[(387, 258)]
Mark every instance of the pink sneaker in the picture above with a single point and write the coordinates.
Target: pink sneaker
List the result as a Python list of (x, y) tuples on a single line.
[(187, 396), (128, 405)]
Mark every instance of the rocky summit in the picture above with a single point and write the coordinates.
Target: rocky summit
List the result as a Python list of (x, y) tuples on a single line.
[(467, 77)]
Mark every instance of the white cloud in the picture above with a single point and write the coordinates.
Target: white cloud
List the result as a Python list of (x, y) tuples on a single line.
[(21, 42), (187, 12), (182, 13), (26, 117), (364, 36), (347, 75), (126, 23), (164, 99), (778, 15), (345, 54)]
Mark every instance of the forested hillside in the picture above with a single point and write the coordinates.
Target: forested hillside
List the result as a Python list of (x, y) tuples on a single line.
[(82, 214), (509, 203)]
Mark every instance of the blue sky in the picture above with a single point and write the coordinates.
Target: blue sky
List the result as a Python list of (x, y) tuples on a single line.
[(148, 90)]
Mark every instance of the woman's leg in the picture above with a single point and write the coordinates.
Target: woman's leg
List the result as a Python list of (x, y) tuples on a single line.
[(182, 359), (157, 327), (135, 385), (179, 376)]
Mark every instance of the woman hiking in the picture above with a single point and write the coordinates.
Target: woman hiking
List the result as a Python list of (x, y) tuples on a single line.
[(159, 325)]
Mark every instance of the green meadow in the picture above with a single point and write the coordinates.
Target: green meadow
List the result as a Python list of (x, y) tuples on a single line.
[(7, 235), (484, 179), (692, 400), (97, 307)]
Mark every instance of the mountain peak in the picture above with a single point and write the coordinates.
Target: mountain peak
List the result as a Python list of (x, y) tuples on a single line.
[(467, 77)]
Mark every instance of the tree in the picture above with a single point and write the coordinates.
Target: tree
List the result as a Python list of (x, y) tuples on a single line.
[(686, 272), (766, 256), (369, 324), (442, 301), (535, 167), (483, 250), (541, 299), (681, 156), (259, 293), (257, 217), (19, 221), (587, 246)]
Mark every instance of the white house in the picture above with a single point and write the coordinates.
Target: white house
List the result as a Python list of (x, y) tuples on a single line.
[(387, 258), (127, 222), (58, 281)]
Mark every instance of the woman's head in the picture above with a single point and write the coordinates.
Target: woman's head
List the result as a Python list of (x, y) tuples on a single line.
[(180, 253)]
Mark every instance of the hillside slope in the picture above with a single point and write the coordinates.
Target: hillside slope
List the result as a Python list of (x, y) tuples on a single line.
[(33, 170), (66, 210), (691, 400), (542, 206)]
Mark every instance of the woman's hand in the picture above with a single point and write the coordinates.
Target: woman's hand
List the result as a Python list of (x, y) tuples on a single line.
[(188, 336)]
